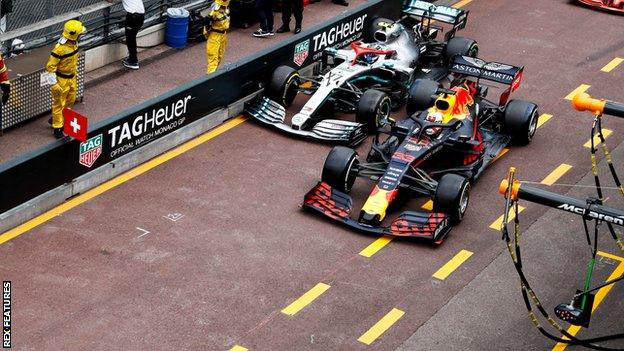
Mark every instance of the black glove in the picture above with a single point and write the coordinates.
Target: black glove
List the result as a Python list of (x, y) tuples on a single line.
[(207, 21), (6, 92)]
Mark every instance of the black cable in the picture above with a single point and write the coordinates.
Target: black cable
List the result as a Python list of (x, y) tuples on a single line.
[(526, 289)]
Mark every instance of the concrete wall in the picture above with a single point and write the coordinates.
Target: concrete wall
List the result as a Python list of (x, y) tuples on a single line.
[(103, 55)]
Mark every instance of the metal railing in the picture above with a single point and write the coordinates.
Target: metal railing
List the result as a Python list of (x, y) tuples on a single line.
[(104, 21), (105, 24)]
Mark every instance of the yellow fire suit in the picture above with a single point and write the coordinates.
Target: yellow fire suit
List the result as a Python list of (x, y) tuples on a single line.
[(63, 62), (216, 35)]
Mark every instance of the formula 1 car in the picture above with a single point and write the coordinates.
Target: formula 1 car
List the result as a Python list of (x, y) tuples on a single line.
[(435, 153), (369, 80), (609, 5)]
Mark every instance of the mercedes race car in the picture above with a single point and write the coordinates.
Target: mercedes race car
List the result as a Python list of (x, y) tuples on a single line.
[(437, 152), (368, 79), (609, 5)]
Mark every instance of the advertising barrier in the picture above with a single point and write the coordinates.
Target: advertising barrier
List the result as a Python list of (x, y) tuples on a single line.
[(33, 174)]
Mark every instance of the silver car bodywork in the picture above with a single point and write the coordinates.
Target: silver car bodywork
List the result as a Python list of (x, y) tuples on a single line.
[(405, 46)]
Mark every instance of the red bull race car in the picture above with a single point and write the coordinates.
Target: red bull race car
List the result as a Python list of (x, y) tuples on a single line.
[(608, 5), (450, 137)]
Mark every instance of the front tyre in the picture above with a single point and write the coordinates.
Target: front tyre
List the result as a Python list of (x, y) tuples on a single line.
[(460, 46), (452, 197), (520, 120), (341, 168), (373, 108), (284, 85)]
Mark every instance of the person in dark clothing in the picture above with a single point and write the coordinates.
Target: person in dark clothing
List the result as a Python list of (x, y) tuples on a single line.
[(265, 12), (135, 15), (291, 7)]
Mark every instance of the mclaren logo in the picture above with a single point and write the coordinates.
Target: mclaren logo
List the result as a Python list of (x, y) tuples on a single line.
[(592, 214)]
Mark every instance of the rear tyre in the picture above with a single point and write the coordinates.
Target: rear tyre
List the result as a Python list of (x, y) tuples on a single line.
[(374, 107), (284, 84), (340, 168), (521, 121), (421, 95), (452, 197), (376, 24), (460, 46)]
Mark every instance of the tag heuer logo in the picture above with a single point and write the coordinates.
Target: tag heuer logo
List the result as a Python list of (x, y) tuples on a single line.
[(90, 150), (301, 52)]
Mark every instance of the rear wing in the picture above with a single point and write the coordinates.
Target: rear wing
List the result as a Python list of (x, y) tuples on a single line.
[(426, 10), (493, 71)]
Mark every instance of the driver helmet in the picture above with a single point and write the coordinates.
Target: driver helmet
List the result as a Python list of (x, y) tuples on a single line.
[(369, 58), (445, 104)]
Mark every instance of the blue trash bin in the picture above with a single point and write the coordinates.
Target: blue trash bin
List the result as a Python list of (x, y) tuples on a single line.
[(177, 28)]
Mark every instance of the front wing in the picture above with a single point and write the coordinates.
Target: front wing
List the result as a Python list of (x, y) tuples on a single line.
[(427, 226), (600, 4), (272, 113)]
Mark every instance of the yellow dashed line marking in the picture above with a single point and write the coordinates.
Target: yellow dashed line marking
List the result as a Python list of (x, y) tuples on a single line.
[(305, 299), (377, 245), (427, 205), (238, 348), (605, 133), (499, 222), (611, 256), (543, 118), (581, 89), (133, 173), (600, 295), (461, 3), (556, 174), (611, 65), (381, 327), (450, 266)]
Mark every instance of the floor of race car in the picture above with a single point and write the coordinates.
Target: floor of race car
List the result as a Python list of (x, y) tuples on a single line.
[(206, 248)]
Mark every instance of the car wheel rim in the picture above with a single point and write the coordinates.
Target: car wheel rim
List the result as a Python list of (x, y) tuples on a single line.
[(474, 51), (463, 201), (290, 90), (383, 112), (532, 125), (350, 176)]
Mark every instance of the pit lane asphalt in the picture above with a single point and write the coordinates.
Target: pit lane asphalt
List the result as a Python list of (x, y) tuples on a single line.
[(220, 275)]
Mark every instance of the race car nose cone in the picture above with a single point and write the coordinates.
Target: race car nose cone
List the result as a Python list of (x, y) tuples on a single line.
[(298, 121), (369, 219)]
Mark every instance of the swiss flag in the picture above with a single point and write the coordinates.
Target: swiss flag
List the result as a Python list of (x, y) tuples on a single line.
[(75, 125)]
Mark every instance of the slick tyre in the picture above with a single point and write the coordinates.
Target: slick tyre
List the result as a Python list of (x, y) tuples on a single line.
[(373, 108), (376, 24), (452, 197), (340, 168), (460, 46), (421, 95), (520, 120), (284, 85)]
